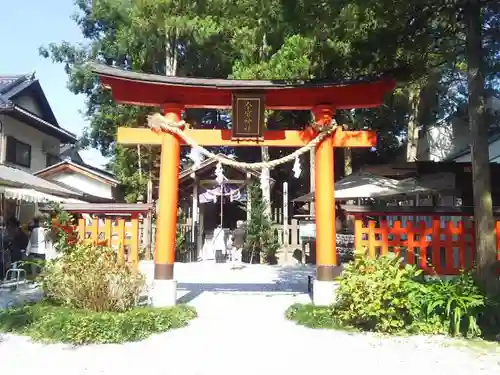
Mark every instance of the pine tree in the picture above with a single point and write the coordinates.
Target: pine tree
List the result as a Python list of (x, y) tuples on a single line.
[(261, 238)]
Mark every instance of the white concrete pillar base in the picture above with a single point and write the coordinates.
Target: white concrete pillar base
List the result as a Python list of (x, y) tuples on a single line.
[(323, 293), (164, 293)]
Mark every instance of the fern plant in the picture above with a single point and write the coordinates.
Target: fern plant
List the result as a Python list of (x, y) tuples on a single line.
[(458, 301)]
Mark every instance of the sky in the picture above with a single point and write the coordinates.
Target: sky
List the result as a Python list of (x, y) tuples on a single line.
[(26, 25)]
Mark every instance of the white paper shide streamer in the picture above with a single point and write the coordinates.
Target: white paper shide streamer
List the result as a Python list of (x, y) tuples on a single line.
[(297, 170), (219, 173)]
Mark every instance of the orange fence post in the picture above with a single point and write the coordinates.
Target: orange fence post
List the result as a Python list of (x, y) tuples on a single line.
[(497, 231), (436, 244), (134, 240), (108, 231), (95, 230), (82, 229), (120, 232), (358, 234)]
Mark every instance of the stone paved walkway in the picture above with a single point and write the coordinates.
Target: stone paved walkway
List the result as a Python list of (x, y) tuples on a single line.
[(241, 330)]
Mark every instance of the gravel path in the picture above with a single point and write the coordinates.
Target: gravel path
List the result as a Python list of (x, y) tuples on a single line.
[(241, 329)]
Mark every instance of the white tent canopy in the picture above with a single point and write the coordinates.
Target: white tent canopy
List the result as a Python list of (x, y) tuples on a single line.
[(33, 196), (366, 185), (20, 185), (362, 185)]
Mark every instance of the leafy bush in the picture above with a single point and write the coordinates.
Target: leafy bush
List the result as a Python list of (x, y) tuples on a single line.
[(92, 278), (457, 302), (49, 323), (380, 294), (91, 297), (63, 232)]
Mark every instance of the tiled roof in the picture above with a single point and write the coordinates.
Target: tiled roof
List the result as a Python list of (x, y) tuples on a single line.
[(71, 152), (15, 177), (95, 171), (13, 85), (7, 82)]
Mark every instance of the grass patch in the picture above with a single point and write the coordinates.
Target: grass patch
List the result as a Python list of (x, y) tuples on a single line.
[(47, 322), (314, 317)]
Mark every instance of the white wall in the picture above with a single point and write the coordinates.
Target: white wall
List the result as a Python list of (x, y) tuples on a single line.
[(436, 144), (494, 150), (446, 138), (83, 183), (31, 136)]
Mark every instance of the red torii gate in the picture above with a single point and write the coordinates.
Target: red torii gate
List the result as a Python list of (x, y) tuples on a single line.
[(247, 99)]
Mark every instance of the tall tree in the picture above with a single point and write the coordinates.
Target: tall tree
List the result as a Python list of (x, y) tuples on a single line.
[(152, 36), (483, 207), (217, 38)]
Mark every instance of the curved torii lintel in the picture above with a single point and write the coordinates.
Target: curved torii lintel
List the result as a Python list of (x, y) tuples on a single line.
[(154, 90)]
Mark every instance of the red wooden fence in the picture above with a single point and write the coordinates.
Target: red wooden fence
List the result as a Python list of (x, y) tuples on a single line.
[(112, 225), (442, 244)]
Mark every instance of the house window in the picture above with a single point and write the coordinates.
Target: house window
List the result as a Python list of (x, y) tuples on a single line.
[(18, 152), (51, 160)]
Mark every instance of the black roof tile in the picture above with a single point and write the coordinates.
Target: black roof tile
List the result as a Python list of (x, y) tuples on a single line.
[(13, 85)]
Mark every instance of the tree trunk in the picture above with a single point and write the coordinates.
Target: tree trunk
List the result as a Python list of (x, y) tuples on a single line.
[(347, 161), (171, 55), (264, 150), (413, 123), (483, 208), (347, 150), (266, 183), (148, 222), (171, 59)]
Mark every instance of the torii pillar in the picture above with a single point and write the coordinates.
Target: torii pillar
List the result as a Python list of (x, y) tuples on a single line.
[(165, 285), (326, 245)]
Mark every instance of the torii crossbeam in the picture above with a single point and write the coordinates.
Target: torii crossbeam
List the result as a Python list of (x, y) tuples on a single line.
[(248, 99)]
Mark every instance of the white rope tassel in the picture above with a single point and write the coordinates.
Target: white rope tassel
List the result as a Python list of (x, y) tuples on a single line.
[(297, 170), (157, 122), (263, 181)]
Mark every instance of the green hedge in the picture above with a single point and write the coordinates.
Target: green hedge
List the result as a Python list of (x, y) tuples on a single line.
[(381, 295), (47, 322)]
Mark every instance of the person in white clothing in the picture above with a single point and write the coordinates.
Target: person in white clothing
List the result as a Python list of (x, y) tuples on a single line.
[(219, 244), (37, 245)]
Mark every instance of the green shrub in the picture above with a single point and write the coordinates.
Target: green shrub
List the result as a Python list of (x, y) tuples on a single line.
[(92, 278), (380, 294), (49, 323), (457, 302)]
